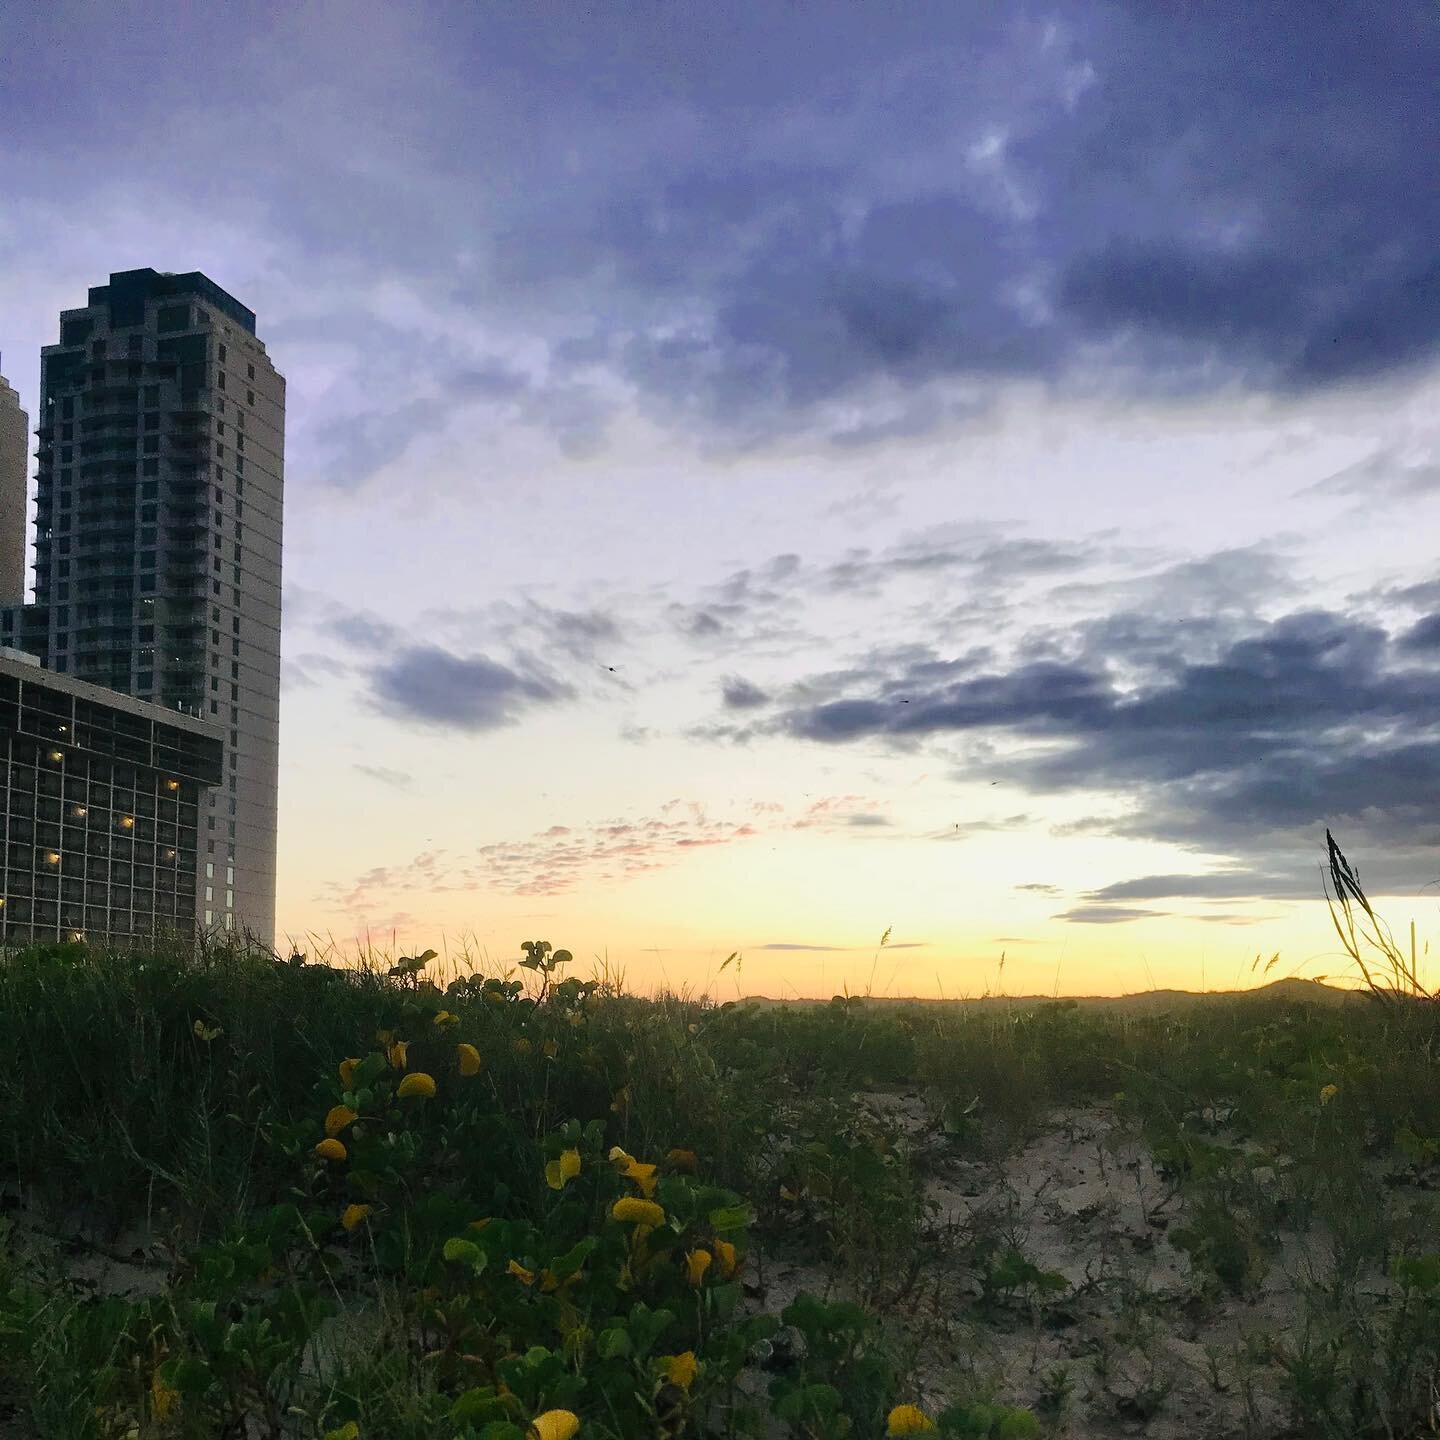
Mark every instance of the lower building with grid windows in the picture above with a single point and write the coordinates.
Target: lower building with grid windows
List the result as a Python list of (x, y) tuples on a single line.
[(102, 798)]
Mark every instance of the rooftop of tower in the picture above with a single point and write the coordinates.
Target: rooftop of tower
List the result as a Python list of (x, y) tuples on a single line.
[(132, 287)]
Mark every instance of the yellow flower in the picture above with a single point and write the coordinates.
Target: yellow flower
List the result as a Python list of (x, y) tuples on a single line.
[(418, 1083), (697, 1262), (551, 1049), (397, 1054), (908, 1420), (637, 1212), (685, 1160), (164, 1399), (1328, 1093), (525, 1277), (729, 1259), (352, 1215), (632, 1169), (347, 1073), (444, 1020), (559, 1173), (680, 1369), (522, 1046), (479, 1224), (642, 1175), (330, 1150), (554, 1425), (469, 1059), (338, 1118)]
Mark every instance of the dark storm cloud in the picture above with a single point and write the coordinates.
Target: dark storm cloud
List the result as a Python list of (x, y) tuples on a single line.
[(1222, 886), (737, 693), (743, 214), (1106, 915), (458, 692), (1247, 748), (1422, 638), (1221, 191), (362, 630)]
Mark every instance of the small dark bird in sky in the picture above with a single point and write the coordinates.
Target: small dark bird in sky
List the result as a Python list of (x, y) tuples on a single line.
[(610, 668)]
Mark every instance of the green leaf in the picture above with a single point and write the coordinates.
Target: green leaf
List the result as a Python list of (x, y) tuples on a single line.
[(731, 1217), (465, 1252), (613, 1344), (476, 1405)]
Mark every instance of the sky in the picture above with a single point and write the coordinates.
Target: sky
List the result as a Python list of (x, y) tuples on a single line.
[(763, 475)]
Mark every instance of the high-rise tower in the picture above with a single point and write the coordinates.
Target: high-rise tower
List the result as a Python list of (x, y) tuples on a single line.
[(14, 445), (157, 542)]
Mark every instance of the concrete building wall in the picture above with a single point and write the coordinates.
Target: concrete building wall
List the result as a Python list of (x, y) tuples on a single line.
[(160, 498), (14, 474), (100, 801)]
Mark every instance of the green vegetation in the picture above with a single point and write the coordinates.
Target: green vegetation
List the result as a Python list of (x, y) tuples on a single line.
[(245, 1198)]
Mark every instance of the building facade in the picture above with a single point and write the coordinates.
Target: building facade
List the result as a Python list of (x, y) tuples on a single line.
[(14, 469), (103, 798), (159, 498)]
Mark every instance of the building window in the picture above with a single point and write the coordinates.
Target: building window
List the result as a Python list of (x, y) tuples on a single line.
[(220, 380), (250, 371)]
